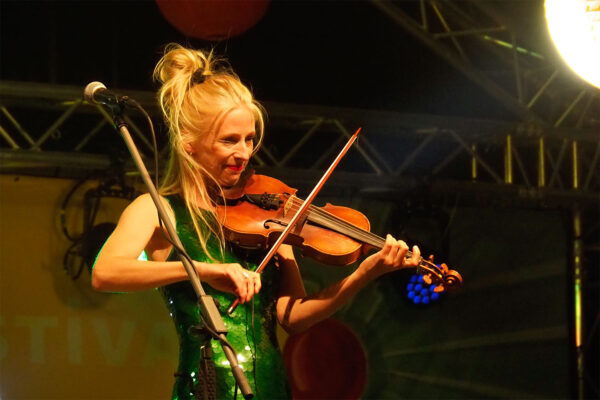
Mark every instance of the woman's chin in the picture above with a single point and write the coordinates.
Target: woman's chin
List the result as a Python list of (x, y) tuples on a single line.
[(229, 180)]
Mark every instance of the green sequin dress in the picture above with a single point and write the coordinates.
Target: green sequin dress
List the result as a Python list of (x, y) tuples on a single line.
[(257, 349)]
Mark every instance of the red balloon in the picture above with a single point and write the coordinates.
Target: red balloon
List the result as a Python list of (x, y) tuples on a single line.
[(213, 19), (326, 362)]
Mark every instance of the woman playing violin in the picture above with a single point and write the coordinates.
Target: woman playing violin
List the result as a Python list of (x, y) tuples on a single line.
[(215, 126)]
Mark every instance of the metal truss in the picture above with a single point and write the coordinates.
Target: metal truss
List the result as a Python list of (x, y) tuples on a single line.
[(514, 64), (50, 130)]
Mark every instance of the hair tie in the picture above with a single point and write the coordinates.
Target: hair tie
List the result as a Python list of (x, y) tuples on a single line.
[(198, 76)]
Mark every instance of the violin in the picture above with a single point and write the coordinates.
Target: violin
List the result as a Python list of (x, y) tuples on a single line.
[(259, 208)]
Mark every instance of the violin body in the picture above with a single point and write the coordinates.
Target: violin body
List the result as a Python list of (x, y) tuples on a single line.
[(265, 206), (260, 208)]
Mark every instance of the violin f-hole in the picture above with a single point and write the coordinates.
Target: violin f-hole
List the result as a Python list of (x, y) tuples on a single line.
[(274, 221)]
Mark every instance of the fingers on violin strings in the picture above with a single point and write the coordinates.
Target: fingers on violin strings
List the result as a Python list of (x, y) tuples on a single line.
[(416, 256), (402, 249), (387, 247)]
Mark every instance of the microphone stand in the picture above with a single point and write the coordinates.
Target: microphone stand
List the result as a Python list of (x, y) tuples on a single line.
[(208, 308)]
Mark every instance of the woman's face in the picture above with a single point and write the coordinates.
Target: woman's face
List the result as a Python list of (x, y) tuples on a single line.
[(226, 153)]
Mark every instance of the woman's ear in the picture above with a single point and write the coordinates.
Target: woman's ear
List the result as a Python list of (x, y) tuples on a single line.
[(188, 148)]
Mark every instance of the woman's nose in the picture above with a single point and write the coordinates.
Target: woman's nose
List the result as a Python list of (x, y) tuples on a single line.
[(243, 151)]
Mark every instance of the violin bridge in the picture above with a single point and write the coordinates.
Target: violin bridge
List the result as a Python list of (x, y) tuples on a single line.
[(288, 205)]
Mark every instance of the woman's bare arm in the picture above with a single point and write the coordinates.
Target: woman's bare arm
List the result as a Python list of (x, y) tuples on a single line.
[(117, 268), (297, 311)]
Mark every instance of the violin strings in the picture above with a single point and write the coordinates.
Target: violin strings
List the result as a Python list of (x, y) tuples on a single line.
[(333, 222), (358, 233), (330, 220), (351, 229)]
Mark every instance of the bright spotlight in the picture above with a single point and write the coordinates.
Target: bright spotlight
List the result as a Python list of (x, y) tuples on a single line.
[(575, 29)]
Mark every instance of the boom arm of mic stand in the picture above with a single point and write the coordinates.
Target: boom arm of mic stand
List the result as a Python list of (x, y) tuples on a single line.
[(207, 303)]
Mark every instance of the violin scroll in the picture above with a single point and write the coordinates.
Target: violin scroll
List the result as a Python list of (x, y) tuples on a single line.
[(440, 275), (452, 281)]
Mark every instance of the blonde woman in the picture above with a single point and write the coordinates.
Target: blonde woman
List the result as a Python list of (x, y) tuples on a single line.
[(215, 126)]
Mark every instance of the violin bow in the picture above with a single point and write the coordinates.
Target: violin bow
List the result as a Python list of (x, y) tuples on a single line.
[(301, 211)]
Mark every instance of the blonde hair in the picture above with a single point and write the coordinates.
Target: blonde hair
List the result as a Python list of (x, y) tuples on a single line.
[(197, 91)]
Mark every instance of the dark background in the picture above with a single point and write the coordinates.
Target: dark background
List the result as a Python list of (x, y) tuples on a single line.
[(337, 53)]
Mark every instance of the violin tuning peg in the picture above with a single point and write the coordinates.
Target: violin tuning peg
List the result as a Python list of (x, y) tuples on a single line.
[(438, 289), (444, 267), (427, 279), (430, 258)]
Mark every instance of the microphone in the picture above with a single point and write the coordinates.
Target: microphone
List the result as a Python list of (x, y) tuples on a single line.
[(96, 92)]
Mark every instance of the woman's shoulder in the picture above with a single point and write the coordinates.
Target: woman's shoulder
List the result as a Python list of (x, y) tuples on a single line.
[(145, 201), (144, 206)]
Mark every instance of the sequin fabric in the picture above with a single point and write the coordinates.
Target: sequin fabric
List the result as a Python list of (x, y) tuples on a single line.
[(258, 353)]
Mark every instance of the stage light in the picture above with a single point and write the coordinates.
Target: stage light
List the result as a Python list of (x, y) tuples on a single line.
[(85, 245), (420, 292), (575, 29)]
